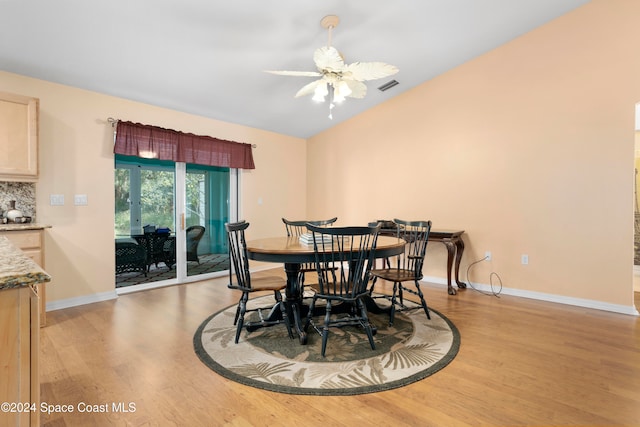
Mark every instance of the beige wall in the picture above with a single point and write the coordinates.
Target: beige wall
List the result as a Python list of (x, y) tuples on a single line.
[(76, 157), (529, 148)]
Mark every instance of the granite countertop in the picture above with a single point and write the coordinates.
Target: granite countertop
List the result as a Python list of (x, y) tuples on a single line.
[(25, 226), (17, 269)]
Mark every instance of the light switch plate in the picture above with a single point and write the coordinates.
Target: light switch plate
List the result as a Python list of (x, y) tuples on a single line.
[(56, 199), (80, 200)]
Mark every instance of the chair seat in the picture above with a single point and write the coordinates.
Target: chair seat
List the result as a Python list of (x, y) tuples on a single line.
[(265, 283), (395, 275)]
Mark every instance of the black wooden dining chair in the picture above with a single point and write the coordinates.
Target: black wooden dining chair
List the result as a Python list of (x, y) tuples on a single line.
[(246, 285), (343, 258), (408, 266), (299, 228)]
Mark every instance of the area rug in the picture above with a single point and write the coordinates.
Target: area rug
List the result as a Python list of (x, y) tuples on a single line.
[(410, 350)]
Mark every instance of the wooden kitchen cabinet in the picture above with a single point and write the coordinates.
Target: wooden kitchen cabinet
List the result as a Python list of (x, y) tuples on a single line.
[(18, 138), (20, 336), (31, 242)]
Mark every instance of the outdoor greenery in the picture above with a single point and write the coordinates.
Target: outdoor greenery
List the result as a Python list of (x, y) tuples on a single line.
[(156, 199)]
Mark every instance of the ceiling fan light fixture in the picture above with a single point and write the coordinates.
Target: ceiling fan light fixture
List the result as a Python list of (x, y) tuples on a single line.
[(342, 90), (320, 92)]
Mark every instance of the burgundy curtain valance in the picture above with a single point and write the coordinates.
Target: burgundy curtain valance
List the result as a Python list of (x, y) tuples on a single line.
[(152, 142)]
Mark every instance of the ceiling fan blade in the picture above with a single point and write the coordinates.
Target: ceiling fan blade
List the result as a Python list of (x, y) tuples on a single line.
[(358, 89), (328, 58), (310, 88), (363, 71), (295, 73)]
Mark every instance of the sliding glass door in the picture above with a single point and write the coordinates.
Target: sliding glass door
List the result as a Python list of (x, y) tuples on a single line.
[(176, 213), (207, 195)]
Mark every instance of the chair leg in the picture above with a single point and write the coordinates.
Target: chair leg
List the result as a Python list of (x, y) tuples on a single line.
[(392, 311), (373, 285), (310, 313), (242, 310), (325, 329), (283, 308), (235, 319), (366, 324), (422, 301)]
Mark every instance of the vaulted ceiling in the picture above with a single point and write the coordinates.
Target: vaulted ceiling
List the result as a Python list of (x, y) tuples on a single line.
[(207, 57)]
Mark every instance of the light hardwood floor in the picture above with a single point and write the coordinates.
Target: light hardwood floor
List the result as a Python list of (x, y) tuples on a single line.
[(521, 362)]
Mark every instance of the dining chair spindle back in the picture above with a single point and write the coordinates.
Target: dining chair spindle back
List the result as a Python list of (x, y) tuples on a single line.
[(299, 228)]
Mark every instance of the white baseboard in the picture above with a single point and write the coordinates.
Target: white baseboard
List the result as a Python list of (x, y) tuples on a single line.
[(579, 302), (86, 299)]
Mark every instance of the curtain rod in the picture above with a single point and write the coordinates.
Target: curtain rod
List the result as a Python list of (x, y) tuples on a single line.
[(114, 122)]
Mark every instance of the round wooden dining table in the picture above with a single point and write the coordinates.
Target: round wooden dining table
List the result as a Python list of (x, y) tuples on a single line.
[(292, 253)]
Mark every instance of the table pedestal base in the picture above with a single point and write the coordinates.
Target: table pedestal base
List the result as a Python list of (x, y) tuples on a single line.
[(294, 300)]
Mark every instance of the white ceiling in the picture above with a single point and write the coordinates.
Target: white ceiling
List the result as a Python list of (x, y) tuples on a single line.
[(207, 57)]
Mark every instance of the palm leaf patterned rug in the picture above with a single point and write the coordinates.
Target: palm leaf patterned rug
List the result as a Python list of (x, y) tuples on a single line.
[(410, 350)]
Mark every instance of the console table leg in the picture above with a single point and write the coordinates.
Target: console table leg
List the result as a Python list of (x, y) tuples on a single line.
[(451, 250), (459, 251)]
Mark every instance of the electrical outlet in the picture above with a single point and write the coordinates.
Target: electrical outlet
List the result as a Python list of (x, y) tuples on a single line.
[(487, 256), (524, 259)]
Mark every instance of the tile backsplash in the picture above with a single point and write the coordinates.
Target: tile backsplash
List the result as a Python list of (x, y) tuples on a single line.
[(24, 193)]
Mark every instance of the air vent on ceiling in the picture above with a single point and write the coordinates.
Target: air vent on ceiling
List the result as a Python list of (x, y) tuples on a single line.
[(388, 85)]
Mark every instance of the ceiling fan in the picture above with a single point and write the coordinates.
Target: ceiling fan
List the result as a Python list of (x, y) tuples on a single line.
[(337, 79)]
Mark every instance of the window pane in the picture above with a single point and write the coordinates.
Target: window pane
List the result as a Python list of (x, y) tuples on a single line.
[(157, 198)]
